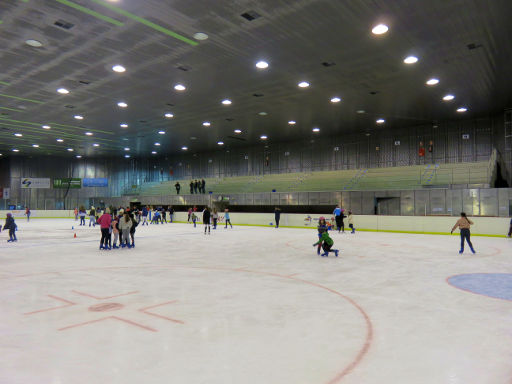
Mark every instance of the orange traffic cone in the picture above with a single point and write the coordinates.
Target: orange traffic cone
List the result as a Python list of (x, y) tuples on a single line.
[(75, 236)]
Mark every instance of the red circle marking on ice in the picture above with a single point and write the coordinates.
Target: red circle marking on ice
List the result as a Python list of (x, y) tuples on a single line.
[(335, 379), (106, 307)]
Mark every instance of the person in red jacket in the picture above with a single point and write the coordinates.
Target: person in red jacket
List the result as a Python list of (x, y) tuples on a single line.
[(105, 221)]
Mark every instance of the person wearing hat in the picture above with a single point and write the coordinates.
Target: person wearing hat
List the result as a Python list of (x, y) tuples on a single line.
[(322, 227)]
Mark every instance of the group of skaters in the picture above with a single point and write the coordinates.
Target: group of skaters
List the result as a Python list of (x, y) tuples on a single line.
[(209, 218), (325, 242)]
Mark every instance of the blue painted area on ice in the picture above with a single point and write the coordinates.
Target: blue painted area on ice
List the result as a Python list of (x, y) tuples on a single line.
[(497, 285)]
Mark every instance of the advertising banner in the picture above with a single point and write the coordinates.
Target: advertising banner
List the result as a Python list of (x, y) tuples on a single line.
[(32, 182), (96, 182), (65, 183)]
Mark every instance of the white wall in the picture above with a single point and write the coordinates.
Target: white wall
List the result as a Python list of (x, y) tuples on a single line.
[(40, 213)]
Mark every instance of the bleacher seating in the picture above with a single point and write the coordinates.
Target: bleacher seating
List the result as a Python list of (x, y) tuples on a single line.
[(409, 177)]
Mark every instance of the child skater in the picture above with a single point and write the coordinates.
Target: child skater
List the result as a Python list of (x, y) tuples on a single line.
[(11, 226), (206, 220), (215, 217), (327, 244), (115, 231), (125, 224), (226, 217), (464, 224), (194, 218), (322, 227), (351, 222)]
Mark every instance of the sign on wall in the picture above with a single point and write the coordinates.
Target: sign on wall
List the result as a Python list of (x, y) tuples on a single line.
[(32, 182), (65, 183), (95, 182), (6, 193)]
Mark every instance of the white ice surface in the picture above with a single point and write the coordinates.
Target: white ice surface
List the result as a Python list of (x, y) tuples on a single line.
[(248, 305)]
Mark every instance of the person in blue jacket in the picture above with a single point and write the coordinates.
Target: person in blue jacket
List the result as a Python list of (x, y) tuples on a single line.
[(11, 226), (338, 216)]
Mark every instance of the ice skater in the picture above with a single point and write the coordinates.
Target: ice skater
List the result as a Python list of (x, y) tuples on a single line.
[(206, 220), (277, 216), (132, 228), (227, 218), (189, 215), (11, 226), (125, 225), (82, 214), (322, 227), (464, 224), (27, 213), (351, 222), (194, 218), (145, 215), (215, 217), (76, 214), (327, 244), (115, 231), (338, 216), (105, 221), (510, 229), (92, 217)]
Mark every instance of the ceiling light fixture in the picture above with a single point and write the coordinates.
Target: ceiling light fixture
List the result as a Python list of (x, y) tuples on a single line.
[(123, 125), (46, 127), (237, 131), (34, 43), (169, 115), (262, 64), (78, 117), (263, 113), (200, 36), (380, 29), (360, 111), (410, 60), (122, 104), (206, 124), (335, 100), (153, 153), (432, 81), (60, 140), (63, 91), (89, 133), (15, 150), (157, 144), (118, 68), (78, 156), (161, 132), (220, 142), (303, 84), (180, 87), (380, 121), (226, 102), (462, 109), (18, 135), (35, 145), (184, 148), (70, 149), (127, 149), (448, 97), (316, 129), (263, 137), (95, 145), (127, 156), (291, 122)]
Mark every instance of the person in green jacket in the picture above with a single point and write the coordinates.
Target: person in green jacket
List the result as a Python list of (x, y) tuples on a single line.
[(327, 244)]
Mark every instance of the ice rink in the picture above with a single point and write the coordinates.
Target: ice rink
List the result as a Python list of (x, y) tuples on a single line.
[(252, 305)]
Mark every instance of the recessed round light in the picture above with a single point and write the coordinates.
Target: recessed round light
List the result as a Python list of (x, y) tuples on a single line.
[(262, 64), (303, 84), (380, 121), (169, 115), (123, 125), (220, 142), (127, 156), (35, 145), (180, 87), (95, 145), (161, 132), (153, 152), (46, 127), (78, 156), (70, 149), (127, 149), (157, 144), (60, 140), (237, 131), (432, 81), (63, 91), (410, 60), (263, 113), (78, 117), (360, 111), (118, 68), (122, 104), (184, 148), (316, 129), (34, 43), (206, 124), (18, 135), (263, 137), (226, 102), (193, 138), (200, 36), (15, 150), (380, 29), (335, 100), (448, 97), (89, 133), (462, 109), (291, 122)]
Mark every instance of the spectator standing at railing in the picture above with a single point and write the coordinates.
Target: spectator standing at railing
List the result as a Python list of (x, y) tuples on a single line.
[(203, 185), (178, 187), (191, 187), (196, 186)]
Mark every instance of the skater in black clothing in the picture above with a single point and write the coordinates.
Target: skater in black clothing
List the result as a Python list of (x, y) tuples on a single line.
[(510, 229), (178, 187), (206, 220), (203, 184), (196, 186), (277, 214), (215, 217), (191, 187), (132, 229), (171, 214), (164, 215), (11, 226)]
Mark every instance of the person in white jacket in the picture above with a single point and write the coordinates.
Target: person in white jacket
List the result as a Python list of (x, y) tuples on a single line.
[(125, 224), (351, 222)]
